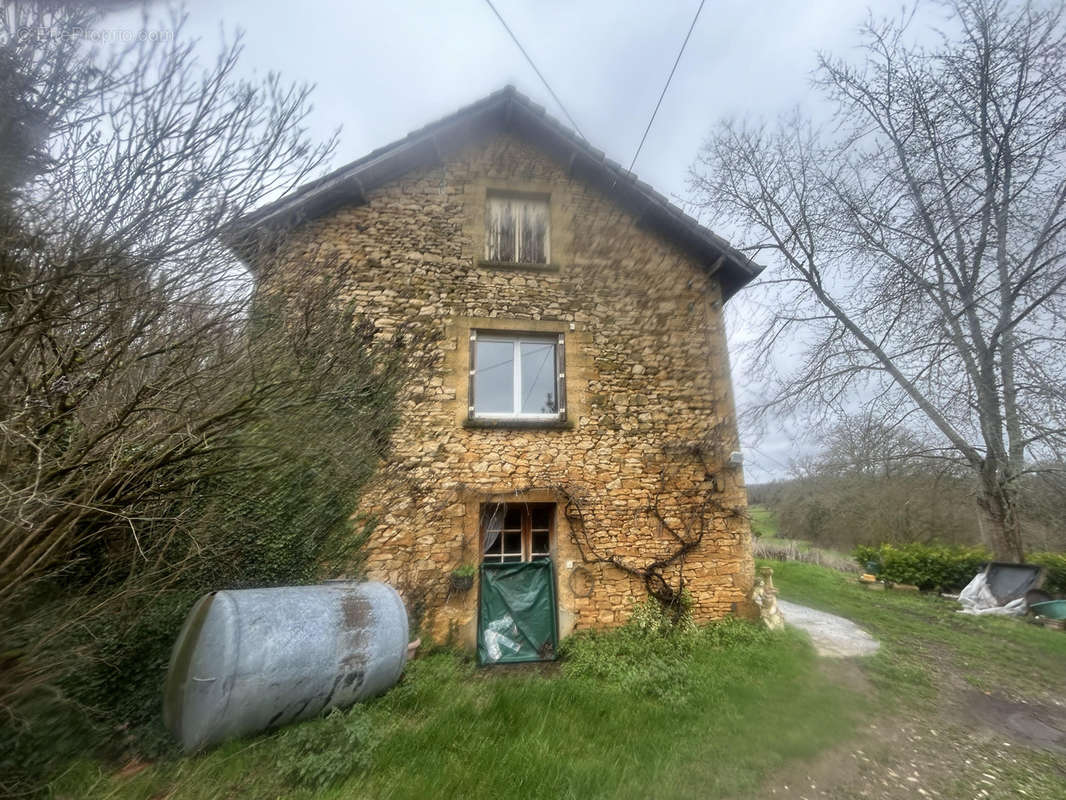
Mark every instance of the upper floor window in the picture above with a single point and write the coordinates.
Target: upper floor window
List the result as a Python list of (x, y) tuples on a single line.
[(517, 230), (516, 376)]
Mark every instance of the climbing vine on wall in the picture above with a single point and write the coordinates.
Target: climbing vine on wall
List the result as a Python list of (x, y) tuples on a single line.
[(682, 514), (688, 498)]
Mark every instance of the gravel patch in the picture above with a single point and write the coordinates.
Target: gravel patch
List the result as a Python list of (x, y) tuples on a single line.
[(832, 636)]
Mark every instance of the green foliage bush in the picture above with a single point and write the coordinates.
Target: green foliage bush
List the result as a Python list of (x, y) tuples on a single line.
[(947, 567), (121, 682), (274, 511), (107, 703), (927, 566), (1055, 564), (866, 554), (648, 655), (321, 753)]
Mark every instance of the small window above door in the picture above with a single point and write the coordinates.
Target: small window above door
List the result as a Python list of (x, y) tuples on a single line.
[(516, 532)]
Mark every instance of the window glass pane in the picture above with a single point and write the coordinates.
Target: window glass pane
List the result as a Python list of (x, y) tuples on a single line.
[(512, 543), (532, 232), (542, 516), (494, 377), (540, 543), (492, 544), (516, 230), (512, 559), (501, 229), (513, 520), (492, 516), (538, 377)]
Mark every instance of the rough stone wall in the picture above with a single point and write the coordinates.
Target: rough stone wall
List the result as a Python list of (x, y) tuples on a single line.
[(647, 378)]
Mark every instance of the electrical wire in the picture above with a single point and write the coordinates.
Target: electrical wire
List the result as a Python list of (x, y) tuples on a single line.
[(667, 86), (768, 457), (543, 80)]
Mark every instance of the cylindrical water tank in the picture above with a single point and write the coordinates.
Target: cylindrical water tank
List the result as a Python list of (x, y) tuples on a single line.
[(254, 659)]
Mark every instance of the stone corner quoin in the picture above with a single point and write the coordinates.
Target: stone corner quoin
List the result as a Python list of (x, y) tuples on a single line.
[(649, 414)]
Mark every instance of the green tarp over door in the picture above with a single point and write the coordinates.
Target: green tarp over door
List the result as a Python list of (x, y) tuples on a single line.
[(516, 616)]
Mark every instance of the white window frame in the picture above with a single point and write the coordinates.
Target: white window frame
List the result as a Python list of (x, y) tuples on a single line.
[(517, 339)]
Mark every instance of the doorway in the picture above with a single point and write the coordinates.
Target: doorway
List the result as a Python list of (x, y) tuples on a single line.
[(516, 600)]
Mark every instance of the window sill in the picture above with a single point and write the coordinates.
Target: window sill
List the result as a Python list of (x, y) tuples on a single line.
[(512, 265), (518, 423)]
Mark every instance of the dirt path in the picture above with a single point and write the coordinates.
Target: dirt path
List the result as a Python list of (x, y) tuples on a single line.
[(934, 755), (832, 636), (965, 744)]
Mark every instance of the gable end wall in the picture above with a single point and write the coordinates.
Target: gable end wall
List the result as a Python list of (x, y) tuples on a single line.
[(647, 375)]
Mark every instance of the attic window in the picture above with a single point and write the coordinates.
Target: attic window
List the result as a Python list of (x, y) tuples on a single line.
[(517, 230)]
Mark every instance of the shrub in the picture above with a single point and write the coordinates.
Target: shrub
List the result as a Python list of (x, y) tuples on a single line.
[(649, 655), (867, 554), (946, 567), (927, 566), (650, 618), (1055, 563), (643, 658), (120, 683), (89, 656)]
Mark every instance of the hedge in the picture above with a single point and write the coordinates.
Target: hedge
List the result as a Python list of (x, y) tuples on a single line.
[(1055, 563), (947, 567)]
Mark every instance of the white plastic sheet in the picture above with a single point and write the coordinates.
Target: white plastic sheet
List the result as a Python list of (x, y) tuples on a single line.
[(977, 598), (501, 633)]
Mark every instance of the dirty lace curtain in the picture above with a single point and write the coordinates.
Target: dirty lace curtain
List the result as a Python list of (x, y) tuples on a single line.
[(493, 525), (518, 230)]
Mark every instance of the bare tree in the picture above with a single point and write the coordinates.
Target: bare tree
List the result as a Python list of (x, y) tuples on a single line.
[(122, 347), (919, 245), (863, 444), (162, 429)]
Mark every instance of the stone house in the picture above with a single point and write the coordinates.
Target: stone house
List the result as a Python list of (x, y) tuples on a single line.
[(573, 437)]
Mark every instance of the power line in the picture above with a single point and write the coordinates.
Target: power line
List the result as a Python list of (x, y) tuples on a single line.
[(543, 80), (667, 86), (767, 456)]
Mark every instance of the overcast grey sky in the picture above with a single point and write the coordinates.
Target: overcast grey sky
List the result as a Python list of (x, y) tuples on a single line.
[(385, 68)]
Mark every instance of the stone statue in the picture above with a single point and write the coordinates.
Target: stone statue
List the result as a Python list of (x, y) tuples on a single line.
[(764, 595)]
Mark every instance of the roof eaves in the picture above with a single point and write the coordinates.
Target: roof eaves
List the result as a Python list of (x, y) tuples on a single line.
[(351, 182)]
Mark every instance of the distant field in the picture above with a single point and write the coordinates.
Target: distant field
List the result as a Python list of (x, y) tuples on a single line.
[(763, 521), (768, 543)]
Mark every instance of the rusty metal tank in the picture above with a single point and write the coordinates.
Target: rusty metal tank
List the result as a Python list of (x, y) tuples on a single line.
[(254, 659)]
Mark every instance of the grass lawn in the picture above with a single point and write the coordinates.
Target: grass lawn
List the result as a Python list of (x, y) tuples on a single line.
[(748, 716), (945, 688), (769, 543), (763, 521), (923, 637), (453, 730)]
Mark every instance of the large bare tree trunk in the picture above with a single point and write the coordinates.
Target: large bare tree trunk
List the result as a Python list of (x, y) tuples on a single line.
[(997, 503)]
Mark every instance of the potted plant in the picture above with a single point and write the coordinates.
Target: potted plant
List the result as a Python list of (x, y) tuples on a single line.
[(463, 577)]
